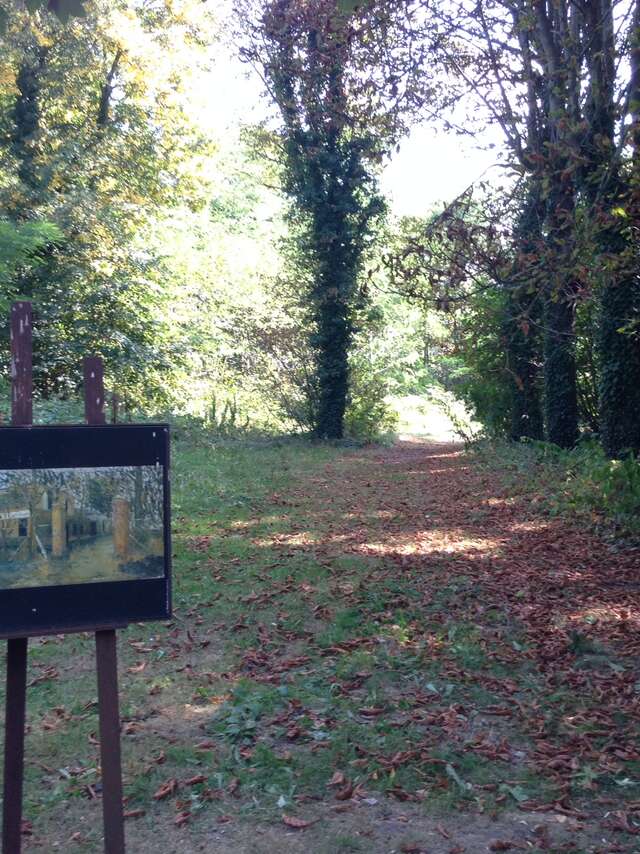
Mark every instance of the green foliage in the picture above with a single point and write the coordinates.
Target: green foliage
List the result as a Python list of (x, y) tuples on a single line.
[(583, 480), (95, 146), (609, 487), (368, 415), (478, 373), (63, 9), (21, 247)]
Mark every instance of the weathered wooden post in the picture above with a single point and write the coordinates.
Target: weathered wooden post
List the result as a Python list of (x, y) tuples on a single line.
[(31, 536), (16, 696), (121, 524), (107, 663), (21, 364), (59, 529)]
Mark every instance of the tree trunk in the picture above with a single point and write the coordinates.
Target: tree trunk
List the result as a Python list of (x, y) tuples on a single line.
[(561, 398), (560, 374), (522, 340), (521, 346), (332, 342), (619, 350), (26, 117)]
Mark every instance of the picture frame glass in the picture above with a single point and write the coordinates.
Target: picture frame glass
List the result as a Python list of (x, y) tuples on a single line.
[(85, 531), (80, 525)]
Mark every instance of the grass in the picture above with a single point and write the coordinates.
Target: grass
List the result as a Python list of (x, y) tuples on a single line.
[(581, 482)]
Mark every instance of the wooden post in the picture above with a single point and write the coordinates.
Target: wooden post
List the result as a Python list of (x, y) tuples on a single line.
[(15, 714), (107, 664), (21, 364), (93, 390), (59, 529), (110, 761), (16, 694), (121, 523)]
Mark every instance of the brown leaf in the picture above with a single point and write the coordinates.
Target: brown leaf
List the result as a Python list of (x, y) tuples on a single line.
[(47, 675), (371, 711), (182, 818), (166, 789), (297, 823), (138, 813), (345, 792)]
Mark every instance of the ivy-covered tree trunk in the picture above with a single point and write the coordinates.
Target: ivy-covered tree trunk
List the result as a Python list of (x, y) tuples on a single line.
[(337, 263), (560, 374), (26, 117), (614, 210), (522, 356), (332, 341), (619, 339), (619, 352), (311, 56), (560, 389), (522, 339)]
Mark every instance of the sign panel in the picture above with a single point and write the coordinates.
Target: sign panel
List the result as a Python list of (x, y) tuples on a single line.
[(84, 527)]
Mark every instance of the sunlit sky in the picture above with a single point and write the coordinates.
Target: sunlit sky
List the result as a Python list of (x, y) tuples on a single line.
[(430, 167)]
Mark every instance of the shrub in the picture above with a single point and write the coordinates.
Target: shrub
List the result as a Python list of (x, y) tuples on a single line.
[(368, 416), (582, 481)]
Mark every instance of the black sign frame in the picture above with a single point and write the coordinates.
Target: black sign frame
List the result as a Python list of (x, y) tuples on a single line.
[(96, 605)]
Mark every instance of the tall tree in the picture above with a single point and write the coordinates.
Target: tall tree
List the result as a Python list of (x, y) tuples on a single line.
[(337, 72), (611, 192)]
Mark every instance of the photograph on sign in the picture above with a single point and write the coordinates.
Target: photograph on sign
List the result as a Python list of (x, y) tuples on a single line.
[(85, 538), (78, 525)]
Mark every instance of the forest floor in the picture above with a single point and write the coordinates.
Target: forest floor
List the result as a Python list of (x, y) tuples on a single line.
[(382, 649)]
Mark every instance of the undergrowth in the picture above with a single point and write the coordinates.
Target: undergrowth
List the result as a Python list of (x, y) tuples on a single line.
[(582, 482)]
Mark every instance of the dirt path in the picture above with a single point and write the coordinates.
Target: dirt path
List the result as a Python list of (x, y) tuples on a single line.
[(393, 653)]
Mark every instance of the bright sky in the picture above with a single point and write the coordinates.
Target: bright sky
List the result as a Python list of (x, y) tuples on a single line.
[(431, 166)]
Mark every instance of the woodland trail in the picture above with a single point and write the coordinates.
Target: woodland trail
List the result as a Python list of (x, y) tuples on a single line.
[(515, 636), (395, 650)]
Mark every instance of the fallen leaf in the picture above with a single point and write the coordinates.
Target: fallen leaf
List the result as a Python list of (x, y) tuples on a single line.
[(137, 813), (338, 779), (297, 823), (166, 789)]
